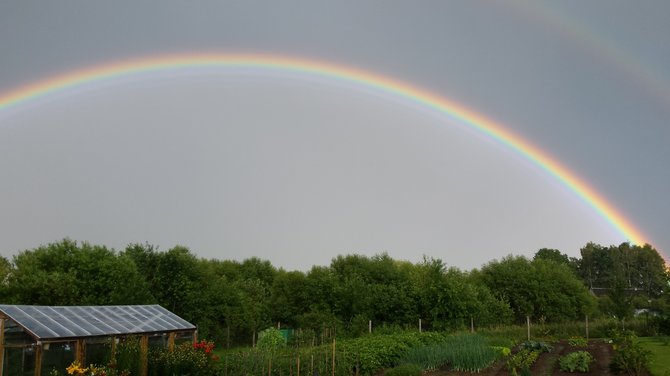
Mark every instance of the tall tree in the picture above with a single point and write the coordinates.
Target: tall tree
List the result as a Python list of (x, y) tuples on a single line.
[(541, 288), (68, 273)]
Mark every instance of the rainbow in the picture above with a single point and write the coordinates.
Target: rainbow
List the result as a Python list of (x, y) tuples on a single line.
[(370, 80)]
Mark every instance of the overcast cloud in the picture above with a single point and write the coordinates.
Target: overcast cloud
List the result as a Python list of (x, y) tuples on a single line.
[(295, 170)]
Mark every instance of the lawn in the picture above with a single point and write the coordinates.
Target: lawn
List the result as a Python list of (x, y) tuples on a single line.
[(660, 359)]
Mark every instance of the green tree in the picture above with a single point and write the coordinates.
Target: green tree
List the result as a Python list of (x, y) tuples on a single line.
[(541, 288), (287, 297), (553, 255), (68, 273)]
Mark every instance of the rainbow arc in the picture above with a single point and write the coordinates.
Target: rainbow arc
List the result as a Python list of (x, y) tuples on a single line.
[(445, 106)]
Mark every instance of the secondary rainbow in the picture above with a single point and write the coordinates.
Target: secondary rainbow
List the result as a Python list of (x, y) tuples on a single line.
[(371, 80)]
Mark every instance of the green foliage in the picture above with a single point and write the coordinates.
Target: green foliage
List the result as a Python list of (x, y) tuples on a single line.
[(465, 352), (630, 357), (271, 339), (578, 342), (366, 355), (626, 265), (502, 351), (577, 361), (536, 346), (231, 301), (552, 255), (127, 356), (540, 288), (68, 273), (184, 360), (405, 370), (377, 352), (427, 357), (522, 361)]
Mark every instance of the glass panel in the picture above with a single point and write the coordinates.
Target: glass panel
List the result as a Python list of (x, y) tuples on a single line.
[(98, 351), (46, 322), (19, 361), (158, 341), (14, 334), (182, 337), (58, 356)]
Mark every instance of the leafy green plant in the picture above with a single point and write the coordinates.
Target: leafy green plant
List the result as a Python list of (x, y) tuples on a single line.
[(537, 345), (522, 361), (405, 370), (577, 361), (502, 351), (578, 342)]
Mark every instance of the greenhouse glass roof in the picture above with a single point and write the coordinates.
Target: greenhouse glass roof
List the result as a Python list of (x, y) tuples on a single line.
[(52, 322)]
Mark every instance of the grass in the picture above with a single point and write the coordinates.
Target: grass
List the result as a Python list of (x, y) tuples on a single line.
[(660, 358)]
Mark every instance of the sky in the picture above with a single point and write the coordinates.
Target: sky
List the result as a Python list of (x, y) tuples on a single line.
[(296, 168)]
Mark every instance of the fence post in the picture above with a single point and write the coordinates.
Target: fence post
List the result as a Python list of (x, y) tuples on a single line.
[(333, 356), (587, 328), (528, 325)]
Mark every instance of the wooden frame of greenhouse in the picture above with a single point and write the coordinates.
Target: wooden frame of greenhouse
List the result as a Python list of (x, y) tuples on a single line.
[(34, 340)]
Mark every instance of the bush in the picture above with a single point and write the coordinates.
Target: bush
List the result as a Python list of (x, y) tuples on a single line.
[(629, 356), (271, 339), (662, 324), (577, 361), (405, 370)]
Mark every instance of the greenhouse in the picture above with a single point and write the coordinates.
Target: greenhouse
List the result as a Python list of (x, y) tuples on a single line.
[(38, 339)]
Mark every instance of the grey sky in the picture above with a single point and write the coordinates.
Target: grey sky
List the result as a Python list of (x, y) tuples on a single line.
[(298, 170)]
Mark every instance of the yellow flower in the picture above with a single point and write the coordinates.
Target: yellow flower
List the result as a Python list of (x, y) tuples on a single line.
[(75, 369)]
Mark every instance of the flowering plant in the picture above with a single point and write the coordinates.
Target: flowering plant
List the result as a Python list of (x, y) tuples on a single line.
[(77, 370), (204, 345)]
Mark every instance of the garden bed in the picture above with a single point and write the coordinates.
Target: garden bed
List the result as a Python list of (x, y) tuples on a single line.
[(547, 363)]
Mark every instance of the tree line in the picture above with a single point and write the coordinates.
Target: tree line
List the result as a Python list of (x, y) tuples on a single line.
[(231, 301)]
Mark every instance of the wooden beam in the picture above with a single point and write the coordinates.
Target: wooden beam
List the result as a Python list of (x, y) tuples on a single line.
[(144, 355), (79, 351), (171, 341), (2, 344), (38, 359), (113, 350)]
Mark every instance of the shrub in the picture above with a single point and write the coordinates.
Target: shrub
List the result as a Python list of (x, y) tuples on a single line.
[(577, 361), (629, 356), (405, 370), (271, 339)]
